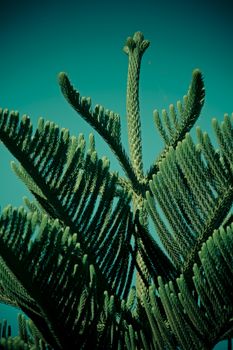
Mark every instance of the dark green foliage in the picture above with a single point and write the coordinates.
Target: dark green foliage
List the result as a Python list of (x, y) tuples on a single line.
[(69, 260)]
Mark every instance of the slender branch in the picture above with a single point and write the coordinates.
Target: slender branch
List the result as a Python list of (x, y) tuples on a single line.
[(135, 47)]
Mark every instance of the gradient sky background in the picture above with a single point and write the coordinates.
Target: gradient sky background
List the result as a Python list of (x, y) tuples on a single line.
[(85, 39)]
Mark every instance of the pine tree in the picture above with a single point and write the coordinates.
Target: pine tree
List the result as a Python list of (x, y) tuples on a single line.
[(68, 258)]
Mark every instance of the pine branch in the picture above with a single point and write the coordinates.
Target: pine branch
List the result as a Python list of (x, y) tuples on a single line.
[(175, 313), (135, 48), (106, 123), (173, 125), (74, 187), (194, 191), (50, 266)]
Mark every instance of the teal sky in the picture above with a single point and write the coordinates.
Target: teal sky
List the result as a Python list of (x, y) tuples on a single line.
[(85, 39)]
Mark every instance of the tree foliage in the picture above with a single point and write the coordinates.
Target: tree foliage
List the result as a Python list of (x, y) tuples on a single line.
[(68, 259)]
